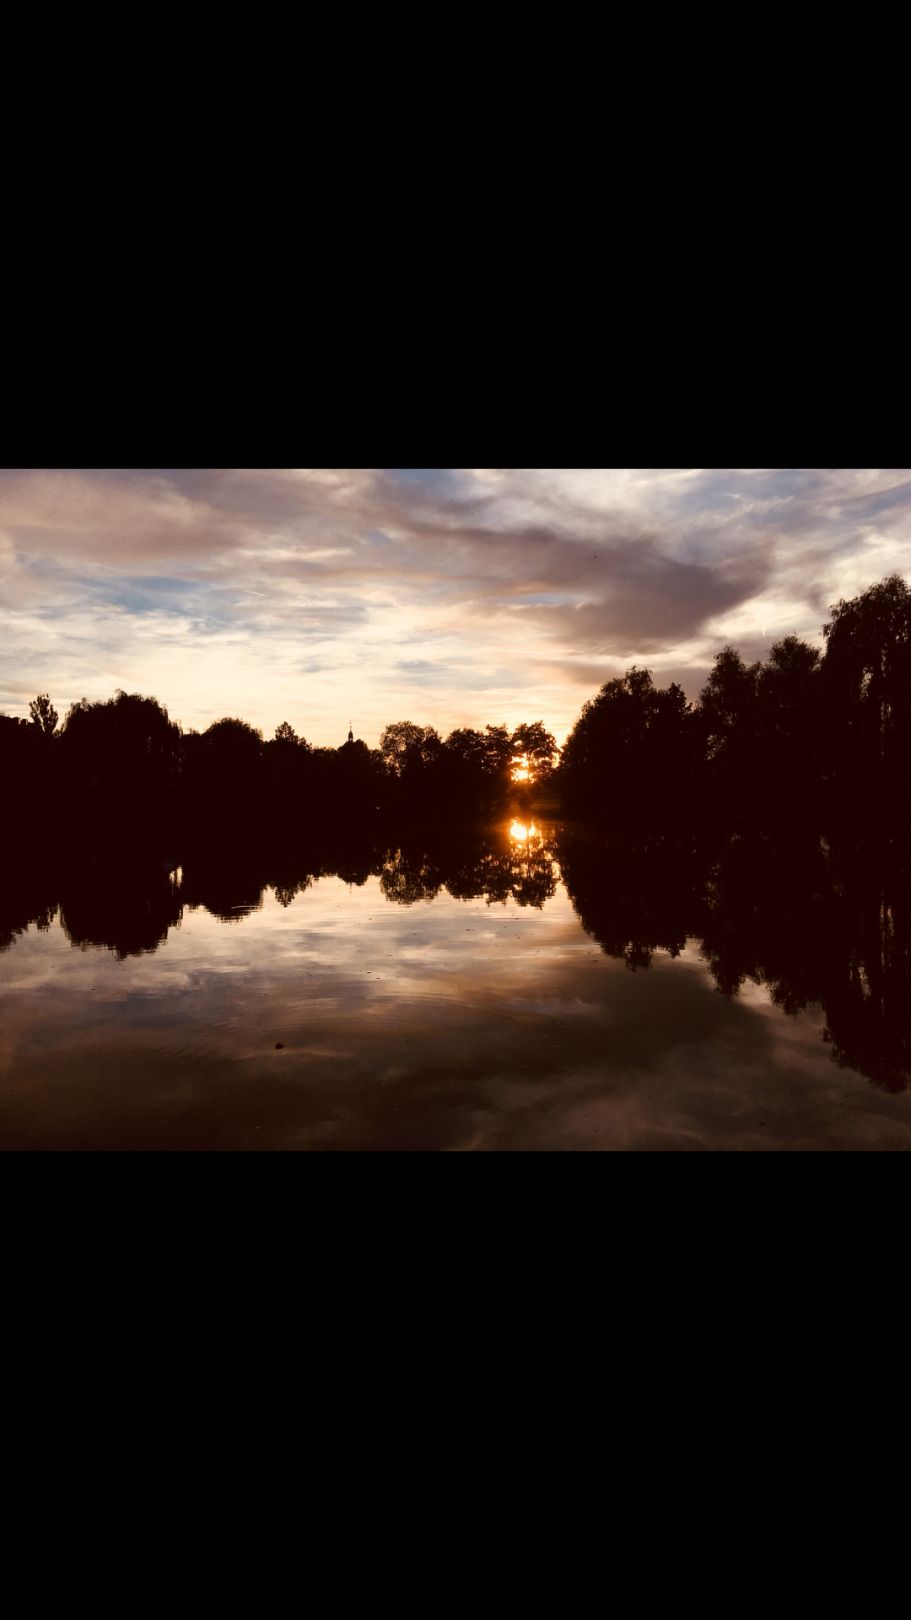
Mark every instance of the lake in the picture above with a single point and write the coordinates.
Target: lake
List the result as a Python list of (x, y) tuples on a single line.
[(529, 986)]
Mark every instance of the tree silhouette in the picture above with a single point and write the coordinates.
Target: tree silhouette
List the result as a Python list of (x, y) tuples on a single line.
[(120, 761), (630, 747), (867, 681), (498, 751), (408, 749), (788, 722), (227, 768), (535, 744), (729, 719), (43, 714)]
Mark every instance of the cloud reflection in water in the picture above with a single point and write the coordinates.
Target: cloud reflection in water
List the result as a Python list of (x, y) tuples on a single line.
[(486, 1017)]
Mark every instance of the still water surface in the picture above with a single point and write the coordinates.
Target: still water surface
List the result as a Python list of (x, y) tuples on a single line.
[(530, 990)]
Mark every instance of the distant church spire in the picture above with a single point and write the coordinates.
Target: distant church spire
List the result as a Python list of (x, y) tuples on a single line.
[(350, 732)]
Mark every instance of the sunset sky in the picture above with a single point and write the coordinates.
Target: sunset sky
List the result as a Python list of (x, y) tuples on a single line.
[(445, 596)]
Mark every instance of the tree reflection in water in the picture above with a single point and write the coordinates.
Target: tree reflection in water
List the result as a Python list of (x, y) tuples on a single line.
[(814, 919)]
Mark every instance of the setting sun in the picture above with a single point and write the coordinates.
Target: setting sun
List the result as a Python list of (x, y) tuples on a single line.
[(272, 746)]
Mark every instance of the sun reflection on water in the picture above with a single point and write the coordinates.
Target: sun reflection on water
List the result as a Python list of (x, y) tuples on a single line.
[(524, 832)]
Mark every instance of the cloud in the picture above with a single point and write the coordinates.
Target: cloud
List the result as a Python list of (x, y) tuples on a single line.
[(312, 594)]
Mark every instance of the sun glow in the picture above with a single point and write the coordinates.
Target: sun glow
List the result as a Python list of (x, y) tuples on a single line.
[(521, 770)]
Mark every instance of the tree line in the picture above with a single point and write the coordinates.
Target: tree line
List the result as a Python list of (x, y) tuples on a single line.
[(809, 728), (124, 761)]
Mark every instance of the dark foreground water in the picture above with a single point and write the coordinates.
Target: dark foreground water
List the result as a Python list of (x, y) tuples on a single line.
[(531, 987)]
